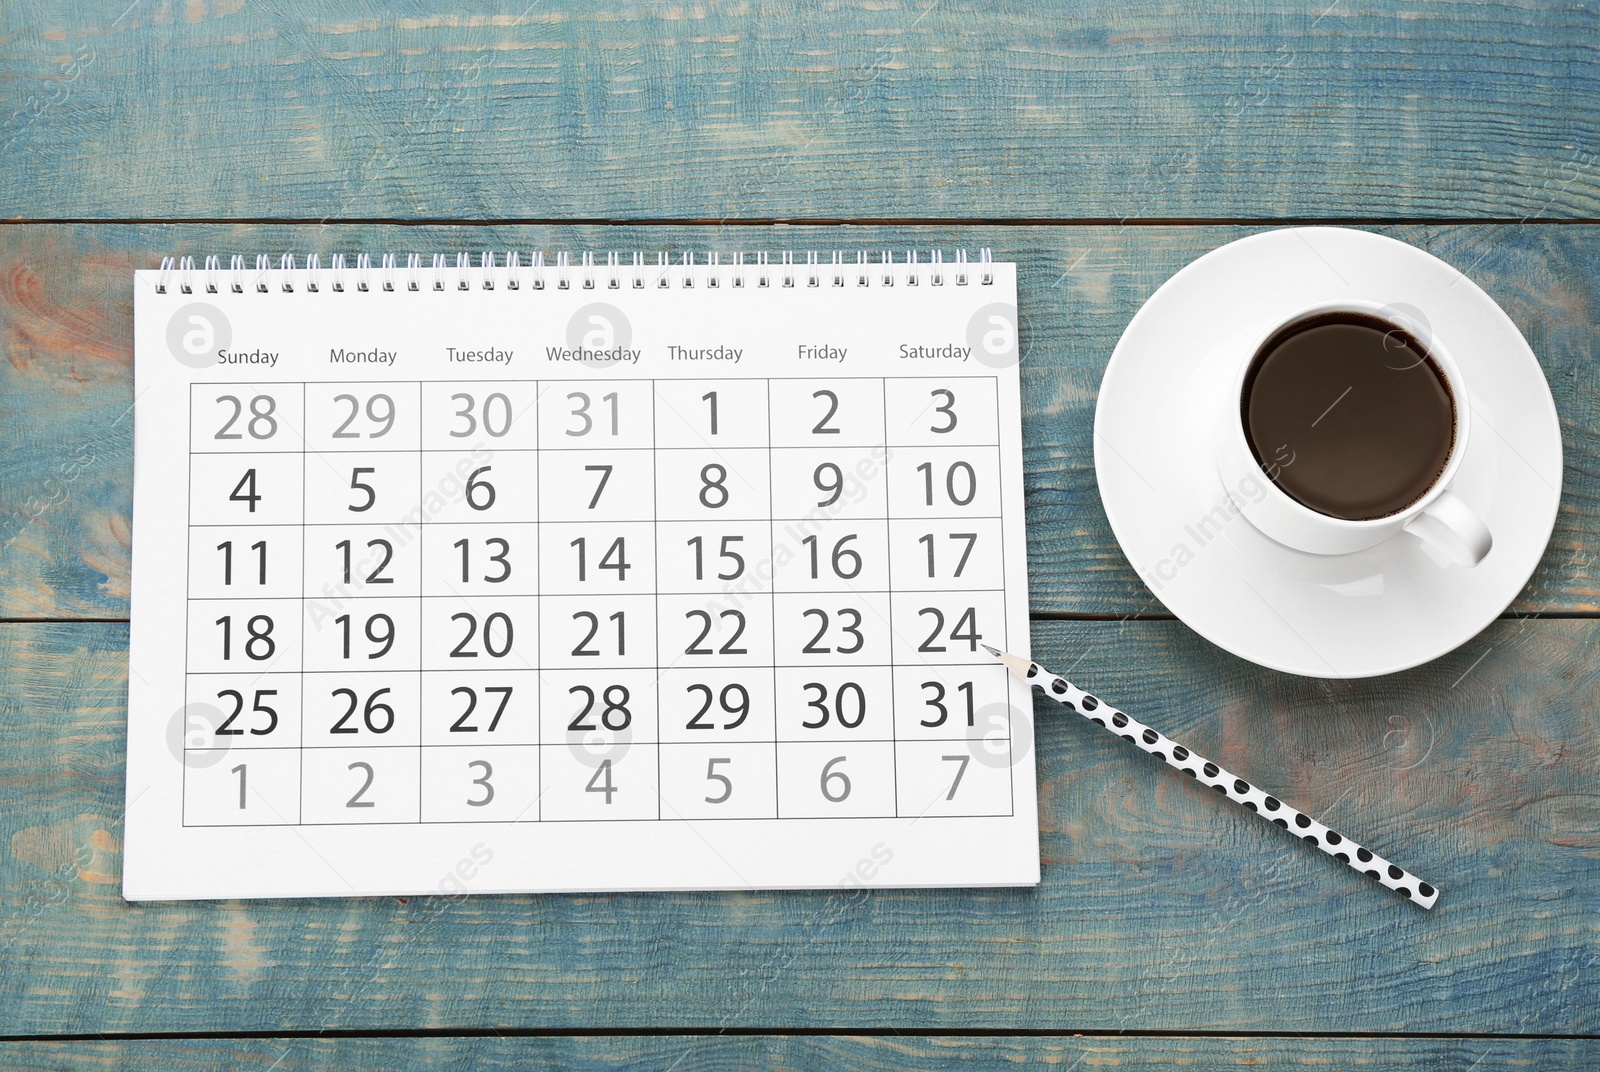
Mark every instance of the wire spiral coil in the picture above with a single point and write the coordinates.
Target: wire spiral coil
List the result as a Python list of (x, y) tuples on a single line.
[(514, 270)]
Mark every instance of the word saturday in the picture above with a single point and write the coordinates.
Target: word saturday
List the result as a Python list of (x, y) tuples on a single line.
[(949, 353)]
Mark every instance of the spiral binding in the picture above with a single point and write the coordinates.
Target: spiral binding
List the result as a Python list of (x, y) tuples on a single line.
[(510, 271)]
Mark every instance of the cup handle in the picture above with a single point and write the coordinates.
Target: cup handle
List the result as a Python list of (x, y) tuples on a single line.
[(1450, 525)]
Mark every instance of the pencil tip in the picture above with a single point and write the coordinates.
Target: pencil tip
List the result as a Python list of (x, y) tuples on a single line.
[(992, 651)]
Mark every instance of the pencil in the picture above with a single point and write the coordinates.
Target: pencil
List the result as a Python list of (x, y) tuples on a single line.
[(1241, 792)]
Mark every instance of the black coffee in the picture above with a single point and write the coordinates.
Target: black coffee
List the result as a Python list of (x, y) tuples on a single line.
[(1349, 415)]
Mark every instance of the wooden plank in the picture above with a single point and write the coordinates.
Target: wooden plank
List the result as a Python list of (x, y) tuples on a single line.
[(905, 109), (65, 377), (840, 1052), (1160, 909)]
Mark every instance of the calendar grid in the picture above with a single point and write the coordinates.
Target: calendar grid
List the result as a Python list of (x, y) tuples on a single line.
[(300, 785), (188, 585), (1005, 645), (655, 551), (538, 627), (793, 462), (772, 609), (888, 569), (422, 540)]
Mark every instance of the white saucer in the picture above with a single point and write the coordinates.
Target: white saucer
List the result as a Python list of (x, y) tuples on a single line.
[(1375, 612)]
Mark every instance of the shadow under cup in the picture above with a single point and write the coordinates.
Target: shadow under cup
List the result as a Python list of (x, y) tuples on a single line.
[(1349, 415)]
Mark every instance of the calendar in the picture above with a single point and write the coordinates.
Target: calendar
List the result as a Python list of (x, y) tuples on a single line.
[(493, 573)]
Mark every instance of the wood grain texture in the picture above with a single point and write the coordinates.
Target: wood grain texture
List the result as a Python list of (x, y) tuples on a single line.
[(66, 377), (780, 1053), (1160, 908), (566, 109)]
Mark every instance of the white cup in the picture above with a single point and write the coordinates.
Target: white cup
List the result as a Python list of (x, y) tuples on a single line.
[(1439, 517)]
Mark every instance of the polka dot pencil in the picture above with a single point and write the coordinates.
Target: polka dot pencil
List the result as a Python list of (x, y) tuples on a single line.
[(1234, 788)]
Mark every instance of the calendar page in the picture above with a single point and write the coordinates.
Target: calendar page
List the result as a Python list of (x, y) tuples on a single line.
[(493, 577)]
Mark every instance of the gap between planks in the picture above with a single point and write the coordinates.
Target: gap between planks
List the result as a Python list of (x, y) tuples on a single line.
[(818, 221), (855, 1032)]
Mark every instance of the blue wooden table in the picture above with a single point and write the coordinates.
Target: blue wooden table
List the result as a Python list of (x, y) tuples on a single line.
[(1100, 145)]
